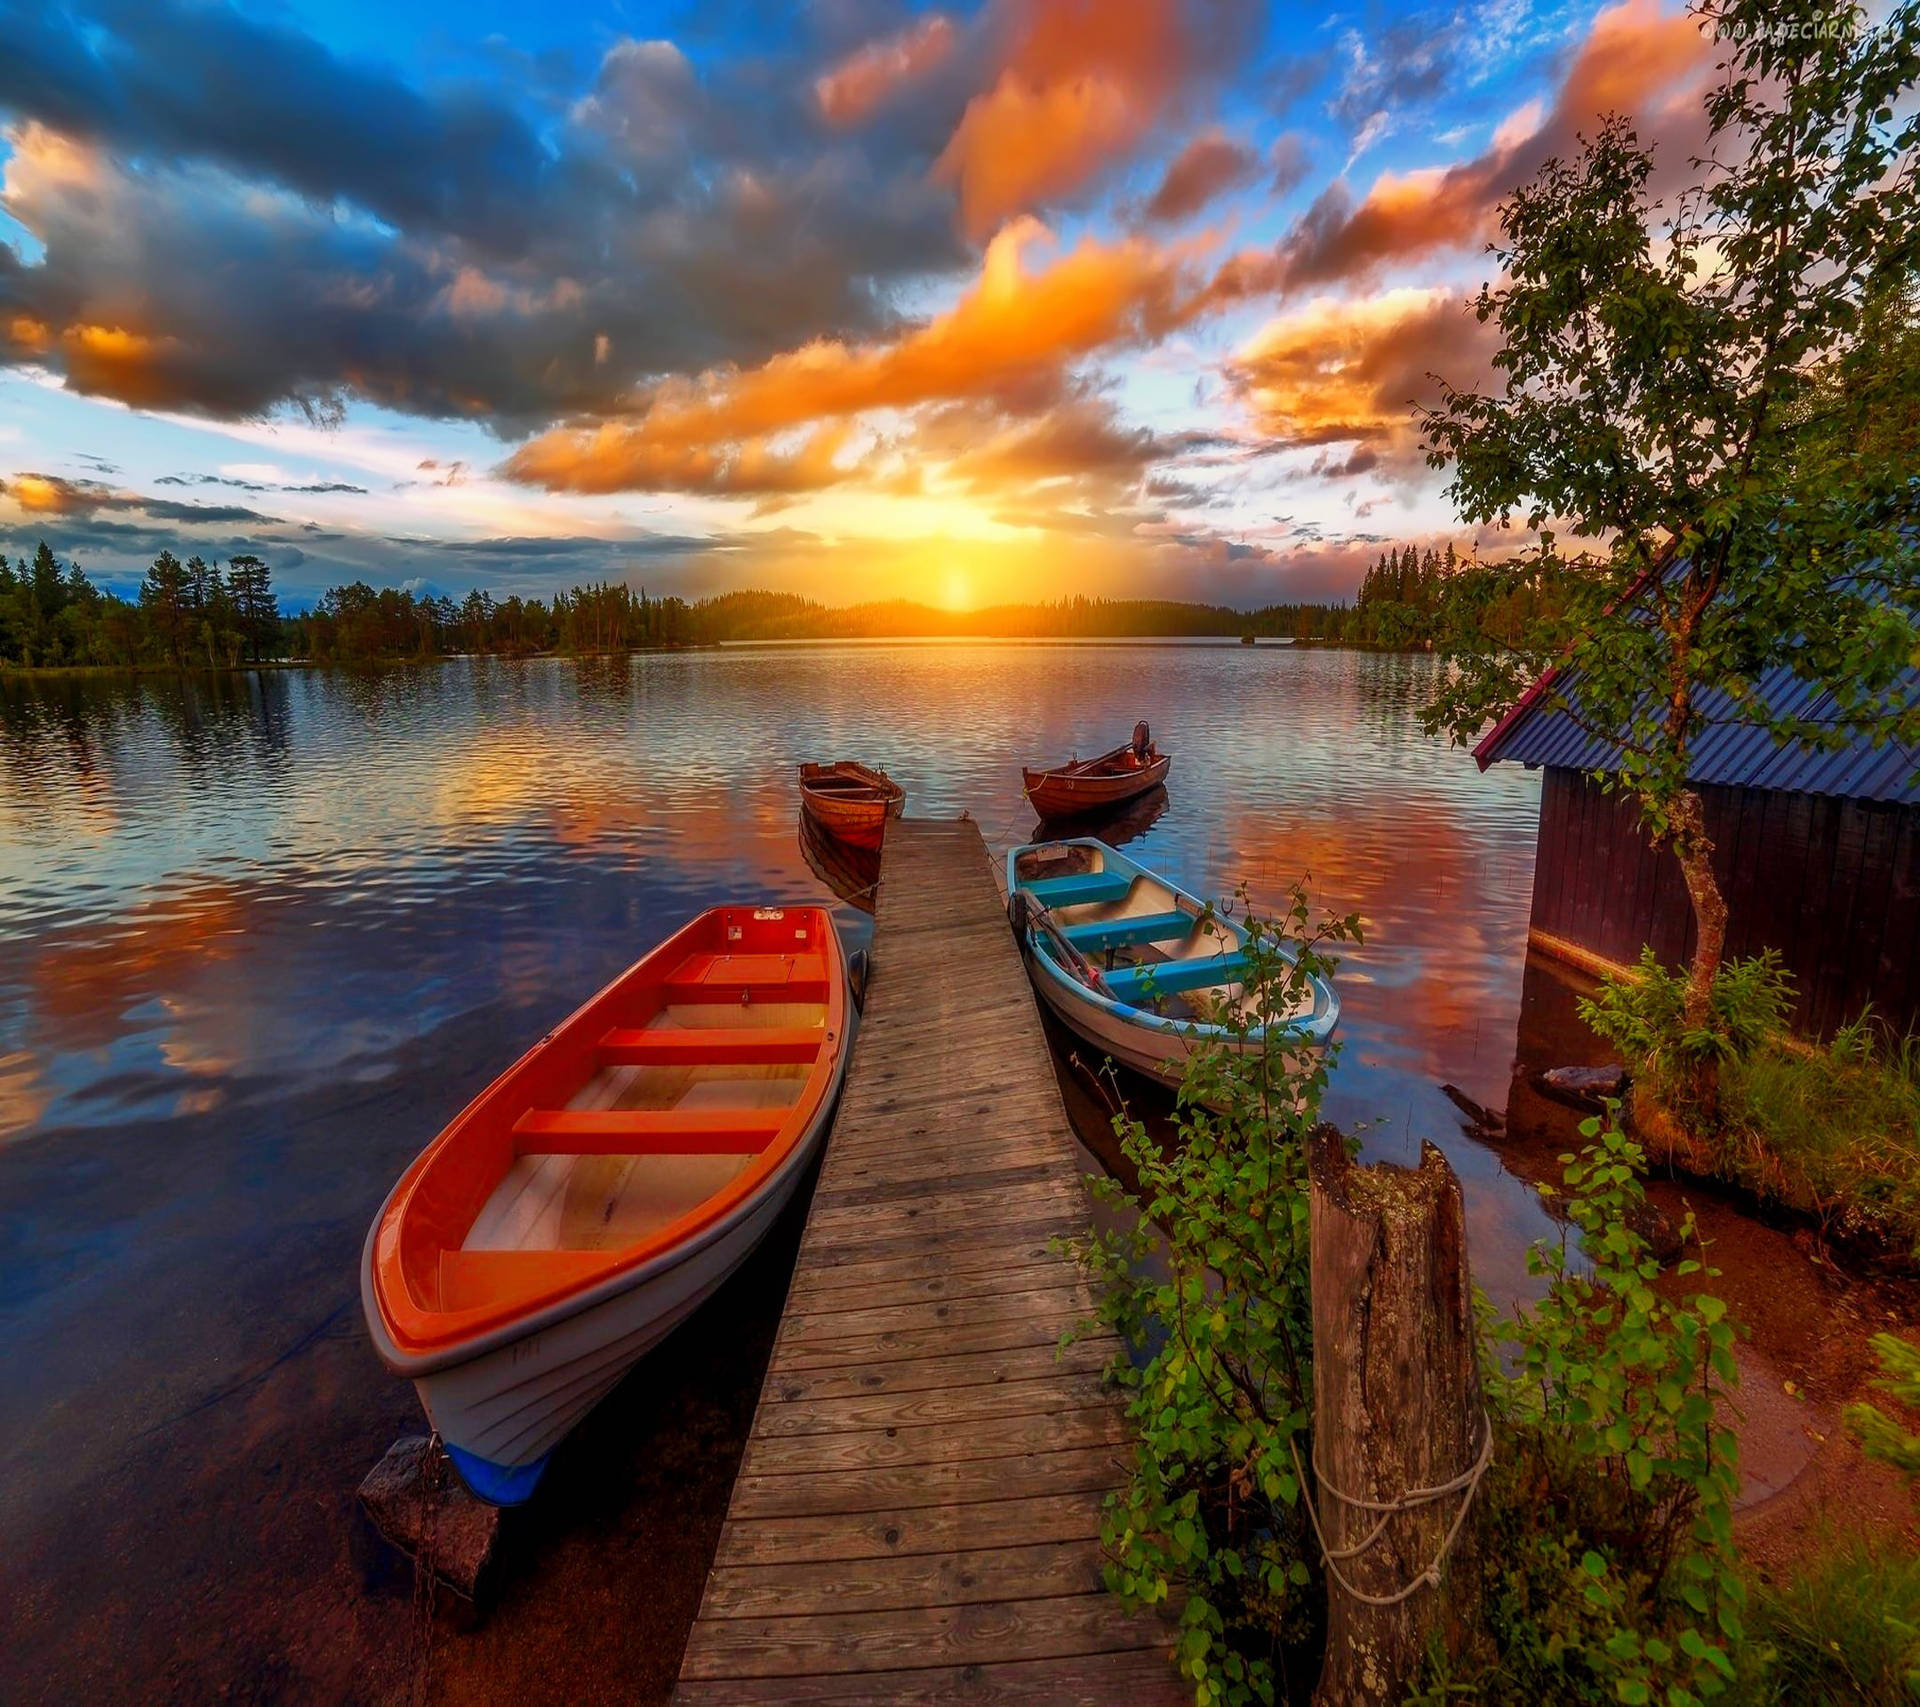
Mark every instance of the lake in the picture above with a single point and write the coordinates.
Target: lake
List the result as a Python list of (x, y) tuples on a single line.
[(261, 935)]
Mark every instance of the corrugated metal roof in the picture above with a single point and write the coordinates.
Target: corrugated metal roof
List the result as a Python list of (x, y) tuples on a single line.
[(1732, 749)]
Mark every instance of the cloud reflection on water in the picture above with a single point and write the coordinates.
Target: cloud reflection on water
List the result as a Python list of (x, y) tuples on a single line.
[(242, 888)]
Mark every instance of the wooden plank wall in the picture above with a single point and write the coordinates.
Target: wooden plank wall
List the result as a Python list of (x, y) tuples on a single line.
[(917, 1514), (1832, 884)]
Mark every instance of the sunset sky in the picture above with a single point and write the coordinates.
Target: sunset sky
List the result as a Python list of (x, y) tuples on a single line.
[(963, 305)]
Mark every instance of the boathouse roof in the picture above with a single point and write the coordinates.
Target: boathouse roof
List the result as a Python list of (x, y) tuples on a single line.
[(1732, 750)]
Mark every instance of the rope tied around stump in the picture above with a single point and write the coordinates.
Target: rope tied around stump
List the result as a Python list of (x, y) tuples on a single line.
[(1467, 1483)]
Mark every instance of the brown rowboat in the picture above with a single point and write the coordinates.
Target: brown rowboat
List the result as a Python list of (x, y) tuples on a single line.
[(851, 800), (1090, 785)]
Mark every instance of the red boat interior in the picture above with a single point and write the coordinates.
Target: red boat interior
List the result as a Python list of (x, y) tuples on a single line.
[(646, 1116)]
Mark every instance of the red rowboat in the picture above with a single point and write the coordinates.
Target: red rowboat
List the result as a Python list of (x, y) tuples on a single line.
[(591, 1197), (1090, 785), (851, 800)]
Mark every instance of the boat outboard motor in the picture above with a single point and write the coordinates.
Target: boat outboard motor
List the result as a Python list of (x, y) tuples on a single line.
[(1020, 914), (1142, 738)]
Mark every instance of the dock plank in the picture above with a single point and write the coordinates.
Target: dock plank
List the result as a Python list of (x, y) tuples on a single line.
[(1041, 1397), (949, 1372), (917, 1514), (1087, 1680), (903, 1532), (906, 1278), (827, 1454), (1040, 1571), (1065, 1626)]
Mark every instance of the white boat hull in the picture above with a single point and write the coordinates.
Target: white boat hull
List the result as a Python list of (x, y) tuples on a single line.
[(1154, 1053), (512, 1400), (513, 1405)]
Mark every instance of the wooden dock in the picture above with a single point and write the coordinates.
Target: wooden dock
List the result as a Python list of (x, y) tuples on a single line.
[(917, 1514)]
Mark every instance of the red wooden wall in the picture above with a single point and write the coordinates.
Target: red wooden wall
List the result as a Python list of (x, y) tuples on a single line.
[(1833, 884)]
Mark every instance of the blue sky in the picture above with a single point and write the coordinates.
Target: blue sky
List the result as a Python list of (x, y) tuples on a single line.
[(961, 304)]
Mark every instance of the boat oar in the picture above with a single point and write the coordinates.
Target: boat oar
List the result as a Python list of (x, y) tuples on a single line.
[(1029, 917)]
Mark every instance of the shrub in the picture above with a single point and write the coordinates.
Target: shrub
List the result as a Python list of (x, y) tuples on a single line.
[(1214, 1277), (1644, 1017), (1605, 1551)]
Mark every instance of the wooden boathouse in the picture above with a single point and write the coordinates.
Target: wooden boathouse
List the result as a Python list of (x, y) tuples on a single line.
[(1817, 853), (917, 1513)]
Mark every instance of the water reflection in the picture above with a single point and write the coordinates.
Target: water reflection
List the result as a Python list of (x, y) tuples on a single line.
[(1123, 824), (187, 864), (261, 934), (852, 873)]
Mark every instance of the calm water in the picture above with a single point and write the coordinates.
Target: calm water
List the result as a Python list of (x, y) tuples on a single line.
[(259, 937)]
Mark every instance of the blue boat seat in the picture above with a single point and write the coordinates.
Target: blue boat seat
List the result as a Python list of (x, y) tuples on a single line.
[(1131, 984), (1083, 889), (1098, 935)]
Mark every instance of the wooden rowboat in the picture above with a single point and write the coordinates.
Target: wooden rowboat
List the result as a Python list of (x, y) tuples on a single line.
[(1090, 785), (1116, 826), (851, 800), (591, 1197), (1137, 966)]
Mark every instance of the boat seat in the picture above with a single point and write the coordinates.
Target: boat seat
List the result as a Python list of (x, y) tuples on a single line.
[(470, 1280), (647, 1131), (1131, 984), (743, 977), (1083, 889), (718, 1046), (1098, 935)]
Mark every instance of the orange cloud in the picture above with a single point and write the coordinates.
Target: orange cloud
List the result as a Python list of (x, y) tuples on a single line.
[(1080, 84), (33, 336), (1080, 439), (1634, 52), (1635, 59), (121, 363), (875, 73), (1012, 334), (1350, 372), (1209, 164), (41, 495), (110, 343)]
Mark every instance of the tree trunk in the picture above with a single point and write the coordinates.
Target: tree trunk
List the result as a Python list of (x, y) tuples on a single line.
[(1397, 1408), (1693, 847)]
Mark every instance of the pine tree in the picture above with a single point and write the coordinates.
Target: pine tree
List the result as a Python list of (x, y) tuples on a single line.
[(256, 611), (11, 633), (165, 596)]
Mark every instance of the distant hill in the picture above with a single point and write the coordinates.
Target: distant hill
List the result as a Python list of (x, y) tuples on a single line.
[(786, 616)]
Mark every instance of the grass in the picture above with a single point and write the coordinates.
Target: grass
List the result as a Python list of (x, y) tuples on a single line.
[(1846, 1629), (1833, 1131)]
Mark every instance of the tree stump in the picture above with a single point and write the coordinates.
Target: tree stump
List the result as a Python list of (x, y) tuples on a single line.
[(418, 1505), (1397, 1409)]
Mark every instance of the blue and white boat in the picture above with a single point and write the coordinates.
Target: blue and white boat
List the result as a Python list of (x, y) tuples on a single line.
[(1145, 972)]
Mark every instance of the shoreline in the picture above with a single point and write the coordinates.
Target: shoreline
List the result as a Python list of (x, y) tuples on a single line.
[(1222, 642)]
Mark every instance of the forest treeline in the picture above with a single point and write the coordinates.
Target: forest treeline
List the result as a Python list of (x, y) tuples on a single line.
[(195, 614)]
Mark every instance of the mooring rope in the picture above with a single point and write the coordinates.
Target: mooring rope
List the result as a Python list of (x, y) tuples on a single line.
[(434, 1468), (1468, 1480)]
